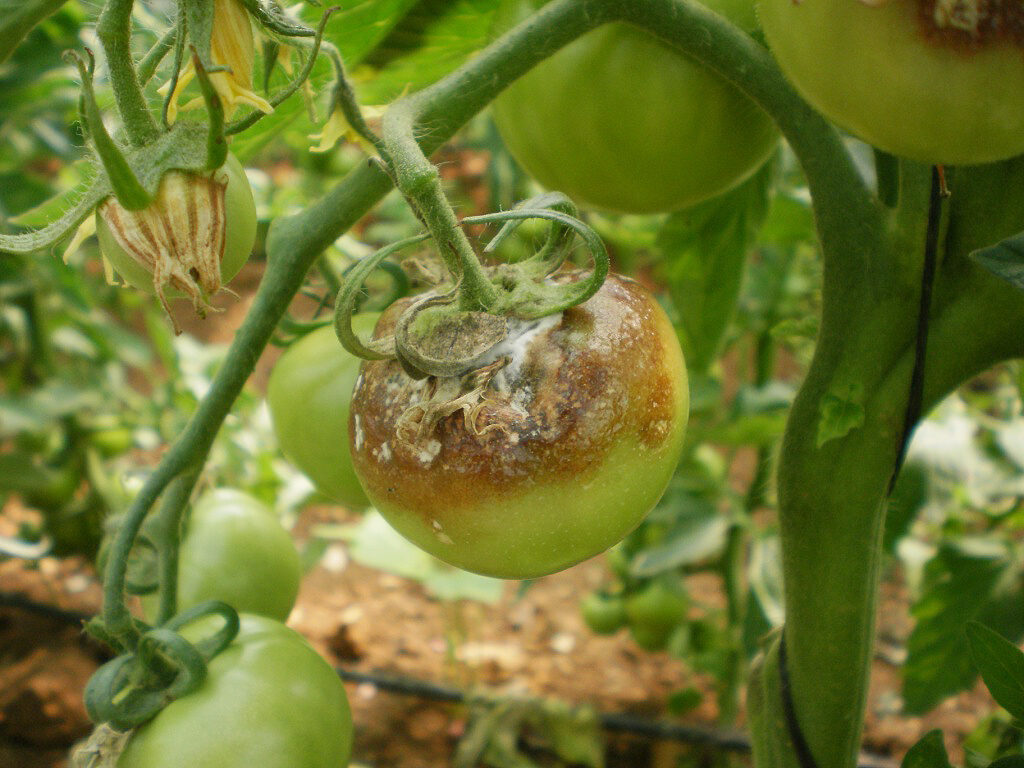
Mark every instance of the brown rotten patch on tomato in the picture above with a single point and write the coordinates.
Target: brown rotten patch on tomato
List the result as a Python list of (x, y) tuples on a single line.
[(546, 405), (967, 25)]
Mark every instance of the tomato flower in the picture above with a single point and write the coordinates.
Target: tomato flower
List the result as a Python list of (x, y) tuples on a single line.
[(231, 46)]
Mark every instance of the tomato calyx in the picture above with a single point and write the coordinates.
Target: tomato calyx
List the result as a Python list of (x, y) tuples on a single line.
[(448, 332)]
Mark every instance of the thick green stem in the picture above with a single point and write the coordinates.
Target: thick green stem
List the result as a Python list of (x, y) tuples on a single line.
[(420, 182), (114, 30)]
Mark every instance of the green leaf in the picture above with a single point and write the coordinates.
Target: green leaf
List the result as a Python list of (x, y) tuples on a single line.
[(972, 579), (929, 752), (841, 412), (698, 535), (18, 18), (1004, 259), (430, 41), (377, 545), (705, 250), (1001, 664)]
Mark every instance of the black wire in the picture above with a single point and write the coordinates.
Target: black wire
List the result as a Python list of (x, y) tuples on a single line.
[(931, 250), (796, 736)]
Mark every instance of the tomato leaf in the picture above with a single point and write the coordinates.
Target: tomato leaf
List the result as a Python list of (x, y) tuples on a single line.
[(18, 18), (430, 41), (1001, 664), (697, 535), (841, 412), (705, 250), (965, 581), (929, 752), (1004, 259)]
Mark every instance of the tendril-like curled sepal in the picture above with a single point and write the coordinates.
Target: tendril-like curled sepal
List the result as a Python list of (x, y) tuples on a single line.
[(436, 335), (133, 688)]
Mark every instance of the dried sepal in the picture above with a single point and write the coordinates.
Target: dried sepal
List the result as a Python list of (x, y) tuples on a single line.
[(179, 239)]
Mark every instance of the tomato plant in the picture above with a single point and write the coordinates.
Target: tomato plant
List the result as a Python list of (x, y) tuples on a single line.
[(934, 85), (234, 549), (269, 699), (580, 123), (309, 394), (566, 450), (185, 230)]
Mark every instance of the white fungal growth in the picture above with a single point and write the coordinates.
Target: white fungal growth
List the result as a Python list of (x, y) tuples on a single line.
[(521, 336), (358, 429)]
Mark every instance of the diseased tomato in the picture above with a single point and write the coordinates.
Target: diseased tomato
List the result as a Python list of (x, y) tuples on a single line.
[(523, 471), (933, 81), (309, 393), (618, 120), (193, 238), (234, 549), (269, 700)]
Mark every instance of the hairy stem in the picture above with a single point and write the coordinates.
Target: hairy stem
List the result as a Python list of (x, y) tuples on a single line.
[(114, 30)]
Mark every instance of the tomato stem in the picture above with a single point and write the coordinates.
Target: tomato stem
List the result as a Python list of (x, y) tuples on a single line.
[(114, 30)]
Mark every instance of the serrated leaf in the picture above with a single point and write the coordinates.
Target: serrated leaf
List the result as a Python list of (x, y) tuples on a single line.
[(929, 752), (705, 250), (841, 412), (1005, 259), (964, 581), (1001, 664)]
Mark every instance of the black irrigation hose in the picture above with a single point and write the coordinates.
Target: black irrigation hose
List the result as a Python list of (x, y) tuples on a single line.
[(611, 721), (726, 741)]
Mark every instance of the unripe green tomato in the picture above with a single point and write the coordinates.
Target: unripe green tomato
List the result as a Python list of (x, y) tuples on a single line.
[(234, 549), (912, 78), (309, 395), (658, 608), (604, 614), (650, 638), (268, 700), (617, 120), (239, 236)]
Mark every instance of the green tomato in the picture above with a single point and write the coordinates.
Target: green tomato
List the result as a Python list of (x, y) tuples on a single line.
[(656, 609), (309, 394), (604, 614), (239, 236), (269, 700), (563, 452), (909, 78), (234, 549), (617, 120)]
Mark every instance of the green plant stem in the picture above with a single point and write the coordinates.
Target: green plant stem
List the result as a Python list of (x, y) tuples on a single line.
[(421, 114), (156, 54), (114, 30), (167, 532)]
